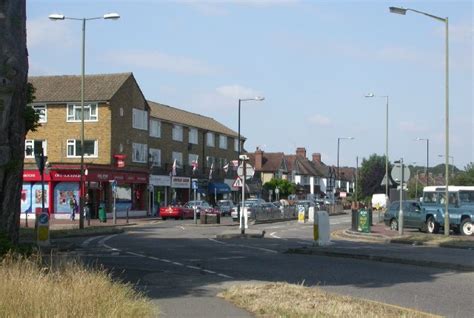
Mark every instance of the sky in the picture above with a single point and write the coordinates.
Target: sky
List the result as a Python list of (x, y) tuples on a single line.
[(313, 61)]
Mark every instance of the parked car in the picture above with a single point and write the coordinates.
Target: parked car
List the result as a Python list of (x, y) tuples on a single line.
[(177, 212), (248, 204), (202, 206), (225, 206)]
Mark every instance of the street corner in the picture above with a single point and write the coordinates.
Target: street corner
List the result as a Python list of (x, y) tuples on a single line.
[(237, 234)]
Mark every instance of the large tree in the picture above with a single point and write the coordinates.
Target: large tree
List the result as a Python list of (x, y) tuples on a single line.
[(466, 177), (13, 99), (371, 174)]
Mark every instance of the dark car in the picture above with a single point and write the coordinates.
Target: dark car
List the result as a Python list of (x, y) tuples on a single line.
[(225, 206), (412, 215)]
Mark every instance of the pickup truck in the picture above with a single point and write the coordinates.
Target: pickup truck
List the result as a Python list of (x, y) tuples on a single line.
[(430, 217)]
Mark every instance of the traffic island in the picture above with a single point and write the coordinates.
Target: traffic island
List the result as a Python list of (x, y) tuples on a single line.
[(238, 235)]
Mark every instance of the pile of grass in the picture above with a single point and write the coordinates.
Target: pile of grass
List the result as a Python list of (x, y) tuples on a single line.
[(286, 300), (69, 289)]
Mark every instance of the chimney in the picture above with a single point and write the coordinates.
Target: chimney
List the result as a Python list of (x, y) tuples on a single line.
[(317, 157), (301, 152), (258, 159)]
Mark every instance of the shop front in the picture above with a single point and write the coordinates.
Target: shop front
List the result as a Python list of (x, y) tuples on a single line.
[(180, 190), (159, 187)]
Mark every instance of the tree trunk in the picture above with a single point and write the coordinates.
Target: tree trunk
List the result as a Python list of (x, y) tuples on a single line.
[(13, 96)]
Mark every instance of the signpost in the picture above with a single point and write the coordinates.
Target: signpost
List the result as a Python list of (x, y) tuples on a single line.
[(243, 172), (400, 174), (113, 184), (42, 237)]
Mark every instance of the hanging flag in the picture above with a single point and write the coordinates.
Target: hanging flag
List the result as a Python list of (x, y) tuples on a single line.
[(211, 170), (235, 165), (173, 171), (194, 163), (226, 167)]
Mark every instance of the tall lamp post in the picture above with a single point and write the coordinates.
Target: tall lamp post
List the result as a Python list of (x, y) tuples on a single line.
[(386, 140), (56, 17), (338, 146), (427, 158), (258, 99), (403, 11)]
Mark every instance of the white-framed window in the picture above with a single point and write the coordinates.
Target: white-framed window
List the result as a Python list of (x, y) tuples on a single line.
[(41, 110), (178, 156), (193, 158), (193, 136), (74, 148), (155, 128), (222, 141), (74, 112), (33, 146), (155, 157), (236, 144), (210, 139), (139, 152), (177, 132), (140, 119)]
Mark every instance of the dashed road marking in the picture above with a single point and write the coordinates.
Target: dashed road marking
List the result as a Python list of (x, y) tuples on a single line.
[(89, 240)]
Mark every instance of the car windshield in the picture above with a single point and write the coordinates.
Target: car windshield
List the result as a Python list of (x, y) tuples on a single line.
[(223, 203)]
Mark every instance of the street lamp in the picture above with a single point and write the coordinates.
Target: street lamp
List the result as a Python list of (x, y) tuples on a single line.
[(338, 146), (427, 157), (403, 11), (386, 140), (258, 99), (56, 17)]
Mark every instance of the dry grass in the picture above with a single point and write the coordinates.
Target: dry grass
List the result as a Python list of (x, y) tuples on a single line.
[(286, 300), (28, 289)]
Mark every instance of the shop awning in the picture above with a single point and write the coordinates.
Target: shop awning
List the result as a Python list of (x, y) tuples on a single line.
[(218, 187)]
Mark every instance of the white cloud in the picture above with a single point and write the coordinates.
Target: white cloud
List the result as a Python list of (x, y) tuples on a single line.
[(236, 91), (161, 61), (320, 120), (42, 32)]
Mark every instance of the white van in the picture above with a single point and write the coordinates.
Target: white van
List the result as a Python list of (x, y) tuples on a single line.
[(379, 201)]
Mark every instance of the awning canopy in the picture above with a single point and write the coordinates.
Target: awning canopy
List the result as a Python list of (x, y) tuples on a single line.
[(218, 187)]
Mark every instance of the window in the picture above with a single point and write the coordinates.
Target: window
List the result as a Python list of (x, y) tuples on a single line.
[(139, 152), (74, 112), (210, 139), (74, 148), (155, 157), (177, 132), (236, 144), (178, 156), (34, 146), (222, 142), (193, 159), (140, 119), (155, 128), (193, 136), (41, 111)]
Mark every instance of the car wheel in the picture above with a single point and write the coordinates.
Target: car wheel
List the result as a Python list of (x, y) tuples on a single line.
[(467, 228), (431, 225), (394, 224)]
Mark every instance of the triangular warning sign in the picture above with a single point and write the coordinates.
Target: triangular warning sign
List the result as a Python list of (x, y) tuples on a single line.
[(237, 183)]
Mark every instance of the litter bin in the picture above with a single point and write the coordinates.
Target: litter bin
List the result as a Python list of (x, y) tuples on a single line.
[(102, 215), (363, 220), (355, 219)]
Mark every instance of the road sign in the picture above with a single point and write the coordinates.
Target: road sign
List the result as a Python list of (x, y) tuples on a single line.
[(237, 183), (249, 173), (397, 173), (194, 183), (42, 237)]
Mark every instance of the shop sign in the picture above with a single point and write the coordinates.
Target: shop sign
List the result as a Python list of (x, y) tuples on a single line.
[(160, 181), (181, 182)]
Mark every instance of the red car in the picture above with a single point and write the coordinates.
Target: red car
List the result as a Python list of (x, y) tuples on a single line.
[(177, 212)]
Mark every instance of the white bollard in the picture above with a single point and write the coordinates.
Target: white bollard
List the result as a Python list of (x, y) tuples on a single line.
[(321, 232), (311, 214)]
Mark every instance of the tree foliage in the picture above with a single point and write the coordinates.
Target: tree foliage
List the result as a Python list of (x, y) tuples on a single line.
[(466, 177), (371, 174), (285, 187)]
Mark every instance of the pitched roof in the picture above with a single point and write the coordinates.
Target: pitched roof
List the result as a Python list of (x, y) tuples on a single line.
[(303, 166), (271, 161), (176, 115), (67, 88)]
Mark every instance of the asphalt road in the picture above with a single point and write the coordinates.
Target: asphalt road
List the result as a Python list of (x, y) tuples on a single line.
[(182, 266)]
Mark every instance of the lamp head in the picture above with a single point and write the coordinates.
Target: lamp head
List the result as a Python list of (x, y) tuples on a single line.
[(112, 16), (56, 16), (398, 10), (370, 95), (259, 98)]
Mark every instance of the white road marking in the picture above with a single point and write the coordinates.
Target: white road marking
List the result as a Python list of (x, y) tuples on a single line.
[(216, 241), (166, 260), (136, 254), (225, 276), (193, 267), (176, 263), (87, 242), (182, 227), (208, 271)]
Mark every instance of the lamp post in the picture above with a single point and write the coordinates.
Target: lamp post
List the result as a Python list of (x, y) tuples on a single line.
[(403, 11), (56, 17), (258, 99), (427, 158), (386, 140), (337, 172)]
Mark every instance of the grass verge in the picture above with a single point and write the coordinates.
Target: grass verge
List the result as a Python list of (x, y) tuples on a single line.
[(28, 288), (295, 301), (437, 240)]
